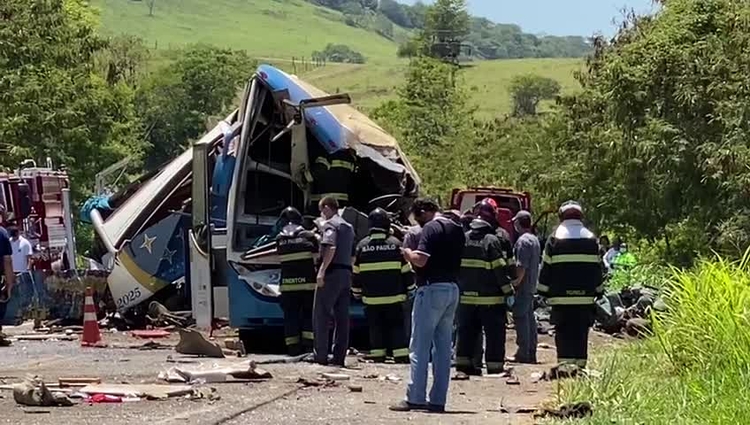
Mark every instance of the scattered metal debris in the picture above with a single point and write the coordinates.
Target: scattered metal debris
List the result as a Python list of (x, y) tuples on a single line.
[(193, 342), (569, 411)]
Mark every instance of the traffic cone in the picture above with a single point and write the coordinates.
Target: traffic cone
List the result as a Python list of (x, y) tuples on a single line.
[(91, 336)]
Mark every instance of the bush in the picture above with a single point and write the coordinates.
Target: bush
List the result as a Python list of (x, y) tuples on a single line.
[(339, 53), (699, 357)]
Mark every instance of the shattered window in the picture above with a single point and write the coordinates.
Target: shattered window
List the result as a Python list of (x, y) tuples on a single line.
[(268, 194)]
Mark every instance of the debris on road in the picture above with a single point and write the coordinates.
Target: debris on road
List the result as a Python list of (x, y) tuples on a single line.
[(72, 382), (626, 310), (193, 342), (150, 333), (45, 337), (336, 376), (244, 373), (569, 411), (33, 392), (149, 391), (307, 382)]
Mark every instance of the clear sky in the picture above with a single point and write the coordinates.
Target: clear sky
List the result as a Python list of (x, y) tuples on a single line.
[(556, 17)]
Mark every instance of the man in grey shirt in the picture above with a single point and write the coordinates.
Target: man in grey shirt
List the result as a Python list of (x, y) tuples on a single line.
[(334, 284), (528, 255)]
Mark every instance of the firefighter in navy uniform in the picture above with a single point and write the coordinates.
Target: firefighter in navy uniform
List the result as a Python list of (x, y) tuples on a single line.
[(382, 279), (484, 284), (571, 279), (487, 211), (331, 175), (296, 248)]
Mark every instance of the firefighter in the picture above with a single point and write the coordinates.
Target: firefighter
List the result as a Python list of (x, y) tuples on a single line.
[(382, 279), (331, 175), (571, 279), (297, 247), (487, 210), (484, 284)]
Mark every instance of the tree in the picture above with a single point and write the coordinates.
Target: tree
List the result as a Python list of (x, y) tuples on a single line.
[(528, 90), (53, 101), (432, 118), (176, 102)]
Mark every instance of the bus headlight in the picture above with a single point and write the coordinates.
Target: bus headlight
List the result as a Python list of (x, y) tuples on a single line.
[(265, 282)]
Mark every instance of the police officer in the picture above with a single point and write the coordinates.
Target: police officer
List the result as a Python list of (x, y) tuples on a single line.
[(334, 277), (296, 248), (331, 176), (382, 279), (484, 284), (571, 279)]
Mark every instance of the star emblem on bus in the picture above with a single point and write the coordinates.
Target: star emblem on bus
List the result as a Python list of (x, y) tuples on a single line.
[(147, 243)]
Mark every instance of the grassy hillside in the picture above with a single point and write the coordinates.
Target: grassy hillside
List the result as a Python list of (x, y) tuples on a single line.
[(487, 81), (265, 28), (277, 30)]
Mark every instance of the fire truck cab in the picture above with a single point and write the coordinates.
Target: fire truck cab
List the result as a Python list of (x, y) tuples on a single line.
[(35, 200), (509, 202)]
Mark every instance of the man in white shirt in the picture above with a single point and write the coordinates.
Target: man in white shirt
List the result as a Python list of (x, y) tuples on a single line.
[(21, 251)]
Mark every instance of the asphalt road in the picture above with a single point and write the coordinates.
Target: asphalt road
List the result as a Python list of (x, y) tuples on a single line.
[(278, 400)]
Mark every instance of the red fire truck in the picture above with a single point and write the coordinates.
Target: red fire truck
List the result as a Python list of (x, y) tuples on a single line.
[(37, 200)]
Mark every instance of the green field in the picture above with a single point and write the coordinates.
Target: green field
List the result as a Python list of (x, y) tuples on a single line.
[(487, 81), (275, 31)]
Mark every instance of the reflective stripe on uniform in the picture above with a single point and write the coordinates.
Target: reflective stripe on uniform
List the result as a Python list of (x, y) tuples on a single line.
[(481, 264), (377, 237), (291, 340), (542, 288), (337, 163), (412, 287), (478, 300), (376, 267), (571, 258), (308, 335), (356, 290), (570, 300), (295, 256), (292, 287), (406, 268), (377, 352), (355, 269), (497, 263), (507, 289), (393, 299), (323, 161), (400, 352), (337, 196)]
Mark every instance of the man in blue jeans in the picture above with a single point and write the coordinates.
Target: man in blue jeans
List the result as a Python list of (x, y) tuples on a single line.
[(437, 262)]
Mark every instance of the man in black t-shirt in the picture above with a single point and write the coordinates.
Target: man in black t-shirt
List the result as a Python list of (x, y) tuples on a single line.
[(437, 262)]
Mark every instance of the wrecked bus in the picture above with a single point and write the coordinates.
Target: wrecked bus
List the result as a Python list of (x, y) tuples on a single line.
[(201, 228)]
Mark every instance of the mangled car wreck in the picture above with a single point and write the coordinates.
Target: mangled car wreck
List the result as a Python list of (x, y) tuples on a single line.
[(199, 230)]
